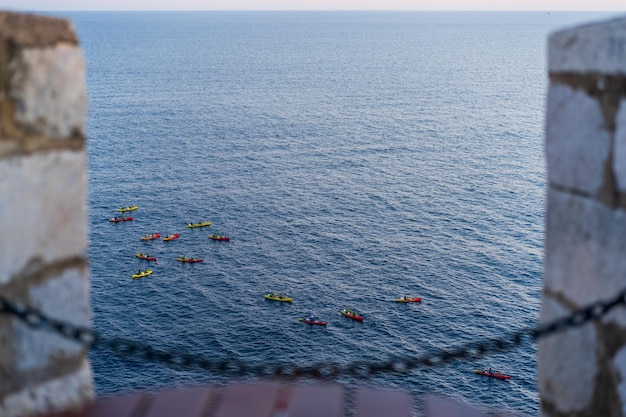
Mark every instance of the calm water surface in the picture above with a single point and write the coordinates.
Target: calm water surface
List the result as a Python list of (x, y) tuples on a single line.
[(351, 157)]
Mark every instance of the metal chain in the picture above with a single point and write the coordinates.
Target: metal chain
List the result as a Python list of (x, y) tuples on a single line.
[(358, 369)]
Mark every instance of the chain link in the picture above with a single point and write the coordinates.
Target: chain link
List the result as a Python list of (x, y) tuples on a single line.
[(323, 370)]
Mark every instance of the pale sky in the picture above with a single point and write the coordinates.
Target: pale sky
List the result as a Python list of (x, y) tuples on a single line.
[(544, 5)]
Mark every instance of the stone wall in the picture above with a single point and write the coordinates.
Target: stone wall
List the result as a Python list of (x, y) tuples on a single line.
[(583, 372), (43, 216)]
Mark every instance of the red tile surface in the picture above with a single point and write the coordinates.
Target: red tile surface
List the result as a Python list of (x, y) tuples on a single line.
[(122, 406), (187, 402), (381, 403), (248, 400), (260, 400), (316, 401)]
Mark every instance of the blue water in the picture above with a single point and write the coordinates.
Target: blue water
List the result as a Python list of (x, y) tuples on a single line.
[(351, 157)]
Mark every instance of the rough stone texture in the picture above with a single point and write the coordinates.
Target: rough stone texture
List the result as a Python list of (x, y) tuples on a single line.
[(620, 365), (27, 30), (66, 392), (48, 89), (585, 249), (582, 371), (566, 363), (599, 48), (577, 145), (43, 207), (43, 216), (65, 298), (619, 158)]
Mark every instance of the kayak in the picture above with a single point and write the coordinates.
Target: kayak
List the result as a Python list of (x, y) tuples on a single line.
[(409, 300), (171, 237), (194, 225), (492, 374), (142, 274), (145, 257), (152, 236), (220, 238), (120, 219), (125, 209), (189, 260), (278, 297), (351, 314), (313, 321)]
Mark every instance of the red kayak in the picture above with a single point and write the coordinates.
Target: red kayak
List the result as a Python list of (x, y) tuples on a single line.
[(120, 219), (220, 238), (313, 321), (152, 236), (145, 257), (351, 314), (493, 374), (189, 260), (171, 237), (409, 300)]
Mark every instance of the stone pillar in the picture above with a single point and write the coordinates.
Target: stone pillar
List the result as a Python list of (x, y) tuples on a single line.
[(43, 216), (582, 372)]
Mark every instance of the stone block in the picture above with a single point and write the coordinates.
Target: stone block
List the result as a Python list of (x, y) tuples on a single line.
[(65, 392), (619, 149), (619, 363), (595, 48), (66, 298), (585, 249), (28, 30), (578, 146), (48, 88), (43, 207), (566, 362)]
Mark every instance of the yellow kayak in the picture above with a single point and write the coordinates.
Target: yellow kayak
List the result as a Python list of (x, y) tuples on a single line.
[(194, 225), (278, 297), (129, 208), (142, 274)]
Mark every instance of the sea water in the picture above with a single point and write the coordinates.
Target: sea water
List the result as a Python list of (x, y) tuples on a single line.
[(352, 157)]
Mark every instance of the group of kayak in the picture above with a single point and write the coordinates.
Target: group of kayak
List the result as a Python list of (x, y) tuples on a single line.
[(169, 237), (123, 218), (188, 259), (354, 315), (345, 312), (153, 236), (174, 236)]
